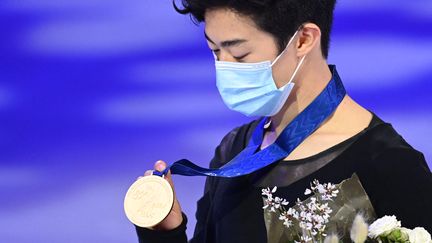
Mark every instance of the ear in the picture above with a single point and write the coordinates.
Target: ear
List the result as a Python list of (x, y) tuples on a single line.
[(309, 38)]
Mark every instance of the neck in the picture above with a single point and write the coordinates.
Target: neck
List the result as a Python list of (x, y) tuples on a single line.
[(311, 79)]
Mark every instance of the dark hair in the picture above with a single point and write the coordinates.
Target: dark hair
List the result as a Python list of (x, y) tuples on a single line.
[(281, 18)]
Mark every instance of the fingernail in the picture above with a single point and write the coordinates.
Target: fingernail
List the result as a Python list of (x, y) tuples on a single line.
[(160, 166)]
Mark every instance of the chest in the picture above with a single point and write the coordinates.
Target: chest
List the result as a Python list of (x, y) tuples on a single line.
[(312, 145)]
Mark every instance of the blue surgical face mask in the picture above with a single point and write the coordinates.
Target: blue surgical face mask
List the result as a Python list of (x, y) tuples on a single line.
[(249, 88)]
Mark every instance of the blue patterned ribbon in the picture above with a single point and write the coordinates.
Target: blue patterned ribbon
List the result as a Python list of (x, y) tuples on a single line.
[(249, 161)]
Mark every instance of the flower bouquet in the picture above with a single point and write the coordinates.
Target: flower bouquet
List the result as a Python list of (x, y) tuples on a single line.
[(332, 214)]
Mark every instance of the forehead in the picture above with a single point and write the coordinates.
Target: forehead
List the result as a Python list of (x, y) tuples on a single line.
[(222, 23)]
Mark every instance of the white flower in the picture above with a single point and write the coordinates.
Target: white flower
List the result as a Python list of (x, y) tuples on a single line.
[(327, 190), (288, 223), (405, 230), (311, 216), (266, 192), (304, 239), (268, 202), (286, 217), (280, 201), (419, 235), (321, 188), (359, 229), (383, 226)]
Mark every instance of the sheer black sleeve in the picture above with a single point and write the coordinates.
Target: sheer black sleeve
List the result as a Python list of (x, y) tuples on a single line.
[(177, 235), (401, 185)]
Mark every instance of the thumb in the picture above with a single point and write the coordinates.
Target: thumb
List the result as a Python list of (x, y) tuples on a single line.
[(160, 166)]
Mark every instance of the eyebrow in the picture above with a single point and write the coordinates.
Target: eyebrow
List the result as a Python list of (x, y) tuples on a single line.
[(227, 43)]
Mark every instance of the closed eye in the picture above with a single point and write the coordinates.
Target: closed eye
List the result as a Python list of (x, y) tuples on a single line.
[(215, 54), (242, 57)]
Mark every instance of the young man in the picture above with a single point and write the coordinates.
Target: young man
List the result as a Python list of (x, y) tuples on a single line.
[(294, 36)]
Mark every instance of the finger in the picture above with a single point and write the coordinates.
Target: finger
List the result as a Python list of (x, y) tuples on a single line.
[(169, 178), (160, 165), (176, 206), (148, 172)]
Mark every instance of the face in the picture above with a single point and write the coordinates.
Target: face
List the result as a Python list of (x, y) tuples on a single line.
[(236, 38)]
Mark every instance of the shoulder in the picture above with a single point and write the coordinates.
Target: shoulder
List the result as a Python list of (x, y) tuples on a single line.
[(381, 139), (390, 154), (233, 143), (402, 162)]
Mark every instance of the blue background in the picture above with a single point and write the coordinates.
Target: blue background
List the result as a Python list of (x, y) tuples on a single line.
[(92, 93)]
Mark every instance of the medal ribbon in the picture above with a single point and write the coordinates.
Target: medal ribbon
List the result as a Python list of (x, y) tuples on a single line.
[(247, 161)]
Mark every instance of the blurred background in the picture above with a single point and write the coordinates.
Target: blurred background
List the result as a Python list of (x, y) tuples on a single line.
[(93, 92)]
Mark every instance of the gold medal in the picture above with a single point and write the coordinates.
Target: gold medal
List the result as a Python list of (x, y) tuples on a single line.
[(148, 201)]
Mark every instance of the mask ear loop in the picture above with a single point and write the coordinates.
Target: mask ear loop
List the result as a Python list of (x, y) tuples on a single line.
[(299, 64), (289, 42), (214, 55), (297, 68)]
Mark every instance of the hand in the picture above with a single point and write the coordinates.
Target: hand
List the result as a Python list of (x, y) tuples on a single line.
[(174, 218)]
